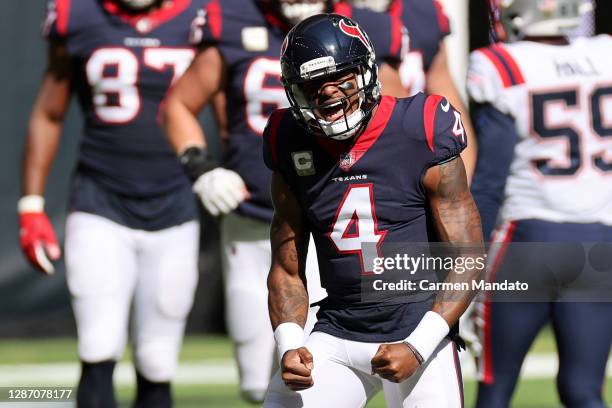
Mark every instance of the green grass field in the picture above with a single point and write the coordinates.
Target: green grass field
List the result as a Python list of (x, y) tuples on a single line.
[(531, 393)]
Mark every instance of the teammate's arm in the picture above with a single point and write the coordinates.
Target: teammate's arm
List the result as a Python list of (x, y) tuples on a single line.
[(38, 240), (287, 295), (188, 97), (440, 82), (390, 81), (220, 190)]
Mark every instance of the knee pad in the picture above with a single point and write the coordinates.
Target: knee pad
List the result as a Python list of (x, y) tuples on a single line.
[(578, 394)]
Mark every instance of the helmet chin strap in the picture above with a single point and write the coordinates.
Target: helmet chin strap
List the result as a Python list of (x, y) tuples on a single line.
[(296, 12)]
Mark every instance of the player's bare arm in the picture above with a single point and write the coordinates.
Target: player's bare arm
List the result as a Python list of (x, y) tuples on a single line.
[(390, 81), (45, 123), (198, 85), (37, 238), (440, 82), (456, 221), (287, 295)]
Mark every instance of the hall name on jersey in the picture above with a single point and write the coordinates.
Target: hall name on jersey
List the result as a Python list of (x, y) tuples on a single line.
[(350, 178), (583, 67), (141, 42)]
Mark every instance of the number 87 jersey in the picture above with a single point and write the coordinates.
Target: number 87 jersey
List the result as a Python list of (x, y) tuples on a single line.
[(122, 66), (559, 98)]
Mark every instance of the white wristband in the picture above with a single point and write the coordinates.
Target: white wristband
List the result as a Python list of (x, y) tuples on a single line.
[(288, 336), (430, 331), (30, 203)]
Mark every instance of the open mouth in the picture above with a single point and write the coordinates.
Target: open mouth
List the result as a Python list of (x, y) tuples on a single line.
[(331, 112)]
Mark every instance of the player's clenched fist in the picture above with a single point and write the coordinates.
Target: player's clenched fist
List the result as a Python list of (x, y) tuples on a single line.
[(394, 362), (296, 367), (36, 235)]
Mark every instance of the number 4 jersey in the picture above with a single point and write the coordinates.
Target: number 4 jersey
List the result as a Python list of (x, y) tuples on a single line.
[(370, 192), (122, 67), (560, 100)]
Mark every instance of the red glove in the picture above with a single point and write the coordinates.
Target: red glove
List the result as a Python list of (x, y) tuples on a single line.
[(37, 237)]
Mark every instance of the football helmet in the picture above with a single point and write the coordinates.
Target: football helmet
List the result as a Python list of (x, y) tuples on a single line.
[(325, 46), (375, 5), (138, 5), (539, 18)]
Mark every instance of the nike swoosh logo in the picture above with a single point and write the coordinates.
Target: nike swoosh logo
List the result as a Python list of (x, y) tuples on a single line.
[(446, 107)]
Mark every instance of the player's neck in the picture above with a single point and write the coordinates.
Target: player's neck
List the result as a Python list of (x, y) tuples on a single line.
[(558, 40)]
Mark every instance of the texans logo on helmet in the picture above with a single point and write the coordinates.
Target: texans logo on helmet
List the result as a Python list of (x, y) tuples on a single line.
[(354, 31)]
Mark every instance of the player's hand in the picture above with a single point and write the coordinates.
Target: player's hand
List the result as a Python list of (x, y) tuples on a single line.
[(220, 190), (296, 367), (38, 241), (470, 323), (394, 362)]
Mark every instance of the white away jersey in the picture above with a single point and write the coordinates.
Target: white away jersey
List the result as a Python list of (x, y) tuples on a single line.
[(561, 100)]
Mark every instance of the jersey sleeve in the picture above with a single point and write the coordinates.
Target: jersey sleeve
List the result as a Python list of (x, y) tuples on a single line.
[(55, 23), (387, 33), (207, 26), (496, 142), (491, 71), (445, 135)]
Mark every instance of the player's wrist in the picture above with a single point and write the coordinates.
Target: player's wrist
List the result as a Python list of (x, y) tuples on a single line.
[(288, 336), (31, 203), (424, 339), (196, 161)]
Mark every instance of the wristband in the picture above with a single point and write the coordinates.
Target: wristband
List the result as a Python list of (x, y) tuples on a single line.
[(430, 331), (288, 336), (196, 161), (31, 203)]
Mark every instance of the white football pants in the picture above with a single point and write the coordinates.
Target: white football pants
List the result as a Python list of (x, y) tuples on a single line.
[(247, 257), (110, 268), (342, 379)]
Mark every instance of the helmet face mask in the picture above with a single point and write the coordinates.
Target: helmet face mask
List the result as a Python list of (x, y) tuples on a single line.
[(294, 11), (330, 76), (137, 5), (375, 5), (539, 18)]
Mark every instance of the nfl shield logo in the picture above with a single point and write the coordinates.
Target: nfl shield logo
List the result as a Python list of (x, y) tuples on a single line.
[(347, 160)]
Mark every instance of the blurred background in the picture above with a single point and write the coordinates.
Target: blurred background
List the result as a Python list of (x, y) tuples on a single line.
[(36, 325)]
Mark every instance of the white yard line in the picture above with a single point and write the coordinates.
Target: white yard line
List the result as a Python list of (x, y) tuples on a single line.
[(211, 372)]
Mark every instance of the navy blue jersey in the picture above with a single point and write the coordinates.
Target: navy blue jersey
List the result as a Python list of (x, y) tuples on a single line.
[(427, 25), (249, 38), (122, 67), (367, 192)]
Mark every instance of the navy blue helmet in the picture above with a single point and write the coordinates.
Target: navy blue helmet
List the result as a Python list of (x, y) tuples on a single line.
[(321, 46)]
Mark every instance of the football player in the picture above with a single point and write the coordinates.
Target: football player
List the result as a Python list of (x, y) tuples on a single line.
[(131, 231), (239, 56), (543, 119), (424, 67), (356, 169)]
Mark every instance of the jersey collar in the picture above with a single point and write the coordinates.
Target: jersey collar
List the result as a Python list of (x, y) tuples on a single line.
[(148, 21), (364, 141)]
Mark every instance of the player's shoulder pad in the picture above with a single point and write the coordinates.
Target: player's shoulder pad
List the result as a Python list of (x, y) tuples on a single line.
[(445, 134), (385, 30), (57, 19), (271, 137), (492, 69)]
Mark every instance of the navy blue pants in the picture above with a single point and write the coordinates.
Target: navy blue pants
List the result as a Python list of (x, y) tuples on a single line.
[(583, 329)]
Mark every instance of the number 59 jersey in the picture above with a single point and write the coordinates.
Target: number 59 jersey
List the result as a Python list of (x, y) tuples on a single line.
[(366, 192), (560, 97), (122, 67)]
